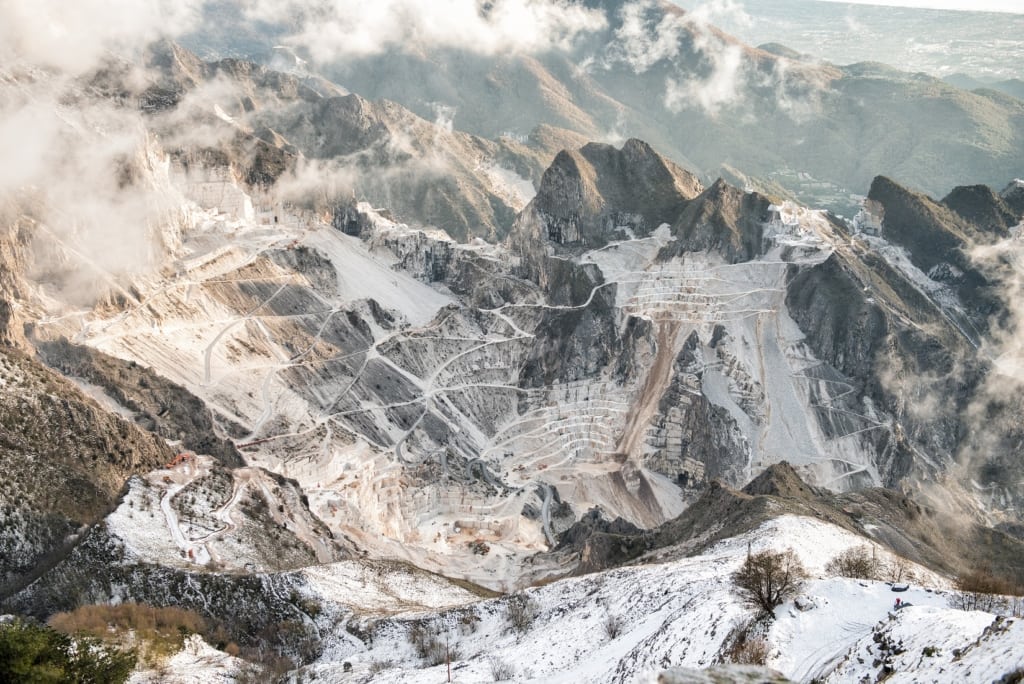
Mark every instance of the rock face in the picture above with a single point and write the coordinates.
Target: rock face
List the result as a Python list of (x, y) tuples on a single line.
[(637, 338), (280, 127), (596, 194), (65, 458), (1013, 196), (65, 461), (159, 406), (724, 219), (980, 206)]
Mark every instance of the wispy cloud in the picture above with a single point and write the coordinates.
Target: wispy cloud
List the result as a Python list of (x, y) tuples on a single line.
[(336, 29), (705, 69), (708, 71), (74, 36), (723, 85), (77, 165)]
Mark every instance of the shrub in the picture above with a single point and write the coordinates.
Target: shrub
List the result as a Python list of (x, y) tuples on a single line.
[(98, 620), (502, 670), (613, 626), (430, 646), (468, 622), (520, 612), (768, 578), (160, 631), (378, 666), (1012, 677), (899, 570), (751, 652), (858, 562), (745, 646), (983, 590)]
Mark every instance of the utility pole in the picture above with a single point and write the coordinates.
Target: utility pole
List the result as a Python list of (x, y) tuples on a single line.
[(447, 656)]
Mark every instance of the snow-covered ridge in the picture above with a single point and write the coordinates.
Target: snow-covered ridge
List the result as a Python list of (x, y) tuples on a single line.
[(681, 613)]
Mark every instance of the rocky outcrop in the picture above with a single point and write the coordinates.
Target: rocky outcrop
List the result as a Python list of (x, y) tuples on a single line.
[(579, 340), (910, 527), (694, 441), (253, 608), (843, 327), (725, 219), (1013, 196), (986, 211), (596, 194), (274, 126), (158, 405), (64, 461), (930, 232)]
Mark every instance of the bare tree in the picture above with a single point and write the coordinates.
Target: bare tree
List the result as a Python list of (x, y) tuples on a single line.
[(520, 612), (768, 578), (983, 590), (858, 562)]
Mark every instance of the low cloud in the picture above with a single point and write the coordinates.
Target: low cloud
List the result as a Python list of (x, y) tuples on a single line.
[(1004, 261), (76, 173), (721, 13), (722, 87), (645, 37), (337, 29), (709, 72), (73, 37), (77, 166)]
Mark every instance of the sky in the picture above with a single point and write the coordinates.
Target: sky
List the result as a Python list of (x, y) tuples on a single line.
[(1014, 6)]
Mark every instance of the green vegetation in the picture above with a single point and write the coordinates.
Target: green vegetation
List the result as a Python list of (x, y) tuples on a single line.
[(30, 652)]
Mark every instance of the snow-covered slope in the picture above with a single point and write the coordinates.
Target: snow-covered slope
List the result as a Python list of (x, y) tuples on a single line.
[(196, 663), (937, 644), (682, 614)]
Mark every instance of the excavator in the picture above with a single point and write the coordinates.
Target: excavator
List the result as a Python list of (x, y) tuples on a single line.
[(179, 459)]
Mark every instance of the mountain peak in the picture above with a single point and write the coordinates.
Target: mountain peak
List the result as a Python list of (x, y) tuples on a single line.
[(722, 218), (780, 479), (981, 206), (592, 195)]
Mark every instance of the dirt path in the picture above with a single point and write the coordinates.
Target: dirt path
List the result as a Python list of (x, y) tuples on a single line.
[(646, 404)]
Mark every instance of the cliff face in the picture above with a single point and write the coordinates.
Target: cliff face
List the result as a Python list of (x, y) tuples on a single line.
[(65, 461), (724, 219), (596, 194), (64, 458), (905, 329)]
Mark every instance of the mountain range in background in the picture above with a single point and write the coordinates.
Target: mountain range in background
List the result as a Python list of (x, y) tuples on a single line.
[(352, 331)]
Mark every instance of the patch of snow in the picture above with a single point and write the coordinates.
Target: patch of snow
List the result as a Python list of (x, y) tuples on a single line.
[(936, 644), (360, 274), (196, 663)]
